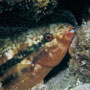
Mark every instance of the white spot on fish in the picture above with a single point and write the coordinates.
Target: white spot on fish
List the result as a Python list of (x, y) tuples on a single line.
[(9, 54)]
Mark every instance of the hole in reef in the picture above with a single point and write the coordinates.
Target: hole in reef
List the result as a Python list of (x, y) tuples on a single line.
[(63, 65)]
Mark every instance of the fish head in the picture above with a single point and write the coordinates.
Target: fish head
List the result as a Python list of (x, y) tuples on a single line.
[(56, 48), (64, 36)]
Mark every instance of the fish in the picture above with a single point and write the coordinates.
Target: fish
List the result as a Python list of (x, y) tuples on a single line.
[(26, 59)]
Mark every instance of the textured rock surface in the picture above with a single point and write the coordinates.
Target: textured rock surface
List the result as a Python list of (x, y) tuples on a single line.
[(82, 87)]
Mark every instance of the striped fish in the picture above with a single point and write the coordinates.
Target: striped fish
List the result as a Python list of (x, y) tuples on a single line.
[(25, 60)]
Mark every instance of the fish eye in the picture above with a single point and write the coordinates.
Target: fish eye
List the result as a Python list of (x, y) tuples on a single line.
[(48, 37)]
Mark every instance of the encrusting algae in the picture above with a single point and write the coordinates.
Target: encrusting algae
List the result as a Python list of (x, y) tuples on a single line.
[(26, 60)]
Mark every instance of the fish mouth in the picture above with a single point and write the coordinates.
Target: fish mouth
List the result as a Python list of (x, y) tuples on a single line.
[(70, 34), (72, 31)]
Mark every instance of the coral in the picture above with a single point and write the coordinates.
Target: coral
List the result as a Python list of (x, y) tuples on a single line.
[(80, 61)]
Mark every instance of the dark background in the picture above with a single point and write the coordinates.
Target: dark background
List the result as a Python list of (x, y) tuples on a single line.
[(79, 9)]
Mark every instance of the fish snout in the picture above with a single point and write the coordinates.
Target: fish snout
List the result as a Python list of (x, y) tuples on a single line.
[(69, 34)]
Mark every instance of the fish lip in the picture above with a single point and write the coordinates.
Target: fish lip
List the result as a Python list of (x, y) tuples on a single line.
[(72, 31)]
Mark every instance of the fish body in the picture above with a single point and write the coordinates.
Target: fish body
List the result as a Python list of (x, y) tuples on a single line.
[(27, 59)]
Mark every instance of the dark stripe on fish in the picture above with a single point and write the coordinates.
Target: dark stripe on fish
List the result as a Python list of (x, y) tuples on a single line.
[(19, 57)]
